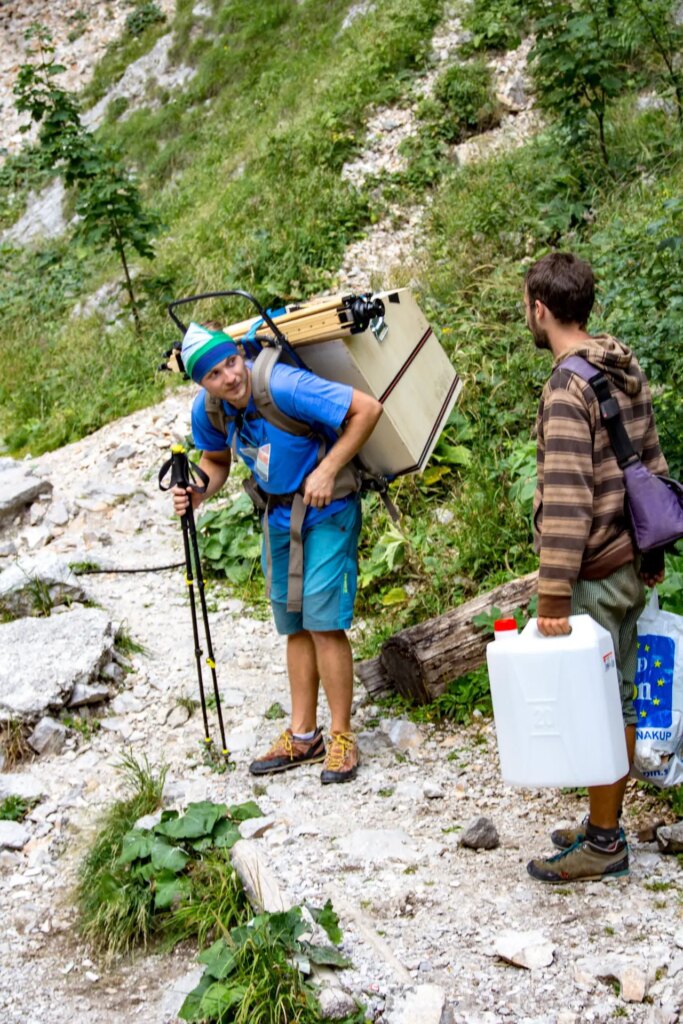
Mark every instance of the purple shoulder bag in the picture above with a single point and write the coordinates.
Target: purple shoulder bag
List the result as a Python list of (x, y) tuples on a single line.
[(654, 504)]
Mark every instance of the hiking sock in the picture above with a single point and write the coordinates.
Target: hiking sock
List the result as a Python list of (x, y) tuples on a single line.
[(307, 736), (605, 840)]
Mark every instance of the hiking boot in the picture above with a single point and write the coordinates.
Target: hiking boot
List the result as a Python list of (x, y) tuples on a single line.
[(582, 862), (341, 762), (563, 838), (288, 752)]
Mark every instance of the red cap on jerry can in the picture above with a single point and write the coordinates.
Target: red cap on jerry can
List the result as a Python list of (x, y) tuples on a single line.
[(504, 625)]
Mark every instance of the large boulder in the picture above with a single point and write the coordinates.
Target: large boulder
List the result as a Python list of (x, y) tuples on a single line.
[(33, 586), (42, 660), (18, 489)]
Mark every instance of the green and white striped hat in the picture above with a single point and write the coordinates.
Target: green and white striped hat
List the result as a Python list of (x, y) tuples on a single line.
[(203, 348)]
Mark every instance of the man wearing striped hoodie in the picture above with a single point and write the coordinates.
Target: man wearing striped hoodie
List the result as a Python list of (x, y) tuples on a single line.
[(588, 563)]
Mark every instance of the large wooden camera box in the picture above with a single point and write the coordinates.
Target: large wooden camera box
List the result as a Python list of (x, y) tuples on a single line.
[(399, 361)]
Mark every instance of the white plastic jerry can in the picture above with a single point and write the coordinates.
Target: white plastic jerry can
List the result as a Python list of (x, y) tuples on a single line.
[(557, 705)]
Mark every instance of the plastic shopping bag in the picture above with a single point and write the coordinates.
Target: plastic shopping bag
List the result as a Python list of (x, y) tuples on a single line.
[(659, 697)]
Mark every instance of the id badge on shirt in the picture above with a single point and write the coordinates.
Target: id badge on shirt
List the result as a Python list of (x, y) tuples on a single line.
[(262, 462)]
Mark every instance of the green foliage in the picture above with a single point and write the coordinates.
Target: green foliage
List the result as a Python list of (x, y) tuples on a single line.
[(495, 24), (108, 202), (463, 102), (229, 540), (670, 592), (15, 808), (580, 63), (252, 974), (139, 885), (145, 14), (116, 914)]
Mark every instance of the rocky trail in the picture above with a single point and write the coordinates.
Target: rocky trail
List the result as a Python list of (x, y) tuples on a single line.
[(436, 931)]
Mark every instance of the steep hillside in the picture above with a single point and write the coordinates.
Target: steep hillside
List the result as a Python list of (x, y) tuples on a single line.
[(291, 148)]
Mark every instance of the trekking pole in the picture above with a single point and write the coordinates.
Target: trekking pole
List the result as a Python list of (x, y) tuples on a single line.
[(185, 474)]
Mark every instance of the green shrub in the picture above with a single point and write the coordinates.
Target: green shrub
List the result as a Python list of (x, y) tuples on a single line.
[(145, 14), (495, 24), (463, 101)]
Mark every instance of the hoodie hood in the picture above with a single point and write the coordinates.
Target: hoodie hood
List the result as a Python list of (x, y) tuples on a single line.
[(614, 359)]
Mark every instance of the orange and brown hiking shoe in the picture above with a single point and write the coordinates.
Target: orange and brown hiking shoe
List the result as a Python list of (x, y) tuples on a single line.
[(289, 752), (341, 761)]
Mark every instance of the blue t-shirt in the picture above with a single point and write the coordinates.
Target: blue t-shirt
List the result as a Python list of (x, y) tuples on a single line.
[(280, 461)]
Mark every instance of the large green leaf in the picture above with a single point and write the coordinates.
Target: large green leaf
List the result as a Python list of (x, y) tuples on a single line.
[(225, 835), (219, 997), (198, 820), (135, 846), (242, 812), (191, 1008), (167, 857), (397, 595), (328, 919), (219, 960), (325, 955), (170, 890)]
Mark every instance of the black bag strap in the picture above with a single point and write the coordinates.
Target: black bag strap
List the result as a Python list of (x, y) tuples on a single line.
[(610, 413)]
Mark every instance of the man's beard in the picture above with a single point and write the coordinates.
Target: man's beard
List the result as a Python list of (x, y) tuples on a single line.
[(541, 339)]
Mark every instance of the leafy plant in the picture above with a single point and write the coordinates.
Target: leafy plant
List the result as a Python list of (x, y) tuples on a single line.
[(144, 14), (252, 974), (15, 808), (580, 64), (463, 102), (229, 542), (109, 203), (495, 24)]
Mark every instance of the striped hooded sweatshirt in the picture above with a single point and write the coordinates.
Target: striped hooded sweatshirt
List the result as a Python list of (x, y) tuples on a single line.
[(580, 529)]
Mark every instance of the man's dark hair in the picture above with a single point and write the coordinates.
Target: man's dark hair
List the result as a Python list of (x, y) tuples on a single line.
[(565, 284)]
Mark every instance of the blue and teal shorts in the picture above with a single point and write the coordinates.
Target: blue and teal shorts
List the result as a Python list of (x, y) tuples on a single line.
[(330, 573)]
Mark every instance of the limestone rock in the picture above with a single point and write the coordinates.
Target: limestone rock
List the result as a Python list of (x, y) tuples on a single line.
[(21, 784), (48, 737), (383, 844), (88, 693), (260, 884), (402, 734), (335, 1003), (480, 834), (670, 838), (19, 488), (425, 1004), (525, 949), (43, 217), (13, 835), (41, 660), (34, 585)]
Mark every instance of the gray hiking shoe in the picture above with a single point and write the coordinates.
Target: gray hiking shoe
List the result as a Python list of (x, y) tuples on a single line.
[(582, 862), (289, 752)]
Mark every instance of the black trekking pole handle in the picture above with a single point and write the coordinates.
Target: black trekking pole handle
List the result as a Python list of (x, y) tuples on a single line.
[(280, 338), (183, 472)]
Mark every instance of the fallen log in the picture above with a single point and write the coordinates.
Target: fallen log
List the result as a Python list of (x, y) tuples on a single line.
[(420, 662)]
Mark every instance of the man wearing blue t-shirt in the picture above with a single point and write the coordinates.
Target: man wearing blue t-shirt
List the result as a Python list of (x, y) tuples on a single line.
[(285, 465)]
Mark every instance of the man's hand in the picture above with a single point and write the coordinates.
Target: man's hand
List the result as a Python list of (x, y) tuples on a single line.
[(553, 627), (319, 486), (181, 499), (651, 579)]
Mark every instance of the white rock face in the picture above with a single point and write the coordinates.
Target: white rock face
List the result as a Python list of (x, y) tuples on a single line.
[(525, 949), (43, 218), (13, 835), (41, 660), (154, 66), (19, 488)]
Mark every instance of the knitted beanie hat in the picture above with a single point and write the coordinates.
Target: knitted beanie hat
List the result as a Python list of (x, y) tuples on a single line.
[(203, 348)]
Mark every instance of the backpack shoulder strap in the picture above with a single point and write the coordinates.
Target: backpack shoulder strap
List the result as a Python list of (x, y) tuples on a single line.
[(216, 414), (261, 372)]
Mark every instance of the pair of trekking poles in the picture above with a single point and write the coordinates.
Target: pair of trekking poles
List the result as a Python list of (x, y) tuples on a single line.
[(186, 474)]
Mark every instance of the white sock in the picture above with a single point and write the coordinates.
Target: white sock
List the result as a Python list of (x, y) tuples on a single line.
[(304, 735)]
